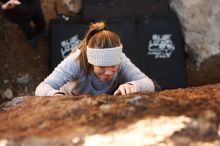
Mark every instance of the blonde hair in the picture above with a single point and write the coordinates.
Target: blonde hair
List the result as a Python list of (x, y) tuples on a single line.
[(97, 36)]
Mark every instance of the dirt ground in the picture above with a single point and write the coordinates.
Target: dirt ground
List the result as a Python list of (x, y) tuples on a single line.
[(18, 59)]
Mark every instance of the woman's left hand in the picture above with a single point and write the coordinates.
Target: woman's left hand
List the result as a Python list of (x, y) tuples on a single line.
[(125, 89)]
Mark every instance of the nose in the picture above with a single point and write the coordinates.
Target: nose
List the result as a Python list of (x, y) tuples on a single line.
[(109, 72)]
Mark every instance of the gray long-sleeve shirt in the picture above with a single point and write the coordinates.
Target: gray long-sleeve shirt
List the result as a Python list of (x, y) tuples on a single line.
[(69, 70)]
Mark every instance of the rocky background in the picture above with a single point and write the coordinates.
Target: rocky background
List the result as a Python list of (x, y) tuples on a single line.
[(200, 22), (22, 68)]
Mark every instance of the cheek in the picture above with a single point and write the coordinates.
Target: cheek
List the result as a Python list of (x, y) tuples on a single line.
[(98, 71), (102, 71), (115, 69)]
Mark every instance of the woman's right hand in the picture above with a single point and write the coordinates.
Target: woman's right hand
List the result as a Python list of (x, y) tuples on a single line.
[(125, 89)]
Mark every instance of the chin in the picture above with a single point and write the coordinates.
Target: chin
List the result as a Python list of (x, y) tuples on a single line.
[(107, 79)]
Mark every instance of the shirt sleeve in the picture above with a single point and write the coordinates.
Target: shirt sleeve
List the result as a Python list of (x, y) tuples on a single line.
[(135, 76), (67, 70)]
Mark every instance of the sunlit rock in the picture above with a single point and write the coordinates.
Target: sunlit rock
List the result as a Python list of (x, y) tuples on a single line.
[(176, 117)]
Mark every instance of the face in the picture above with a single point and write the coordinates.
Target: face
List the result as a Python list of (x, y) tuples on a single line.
[(105, 73)]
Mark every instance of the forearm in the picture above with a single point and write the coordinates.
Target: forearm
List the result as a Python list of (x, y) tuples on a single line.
[(66, 71), (44, 89), (51, 84), (135, 76), (142, 85)]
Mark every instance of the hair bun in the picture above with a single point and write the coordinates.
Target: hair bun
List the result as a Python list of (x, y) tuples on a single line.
[(99, 26)]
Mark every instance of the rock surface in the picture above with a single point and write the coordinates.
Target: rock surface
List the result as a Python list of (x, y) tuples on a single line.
[(200, 22), (177, 117)]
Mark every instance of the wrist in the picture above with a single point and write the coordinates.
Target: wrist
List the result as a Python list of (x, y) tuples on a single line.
[(134, 84)]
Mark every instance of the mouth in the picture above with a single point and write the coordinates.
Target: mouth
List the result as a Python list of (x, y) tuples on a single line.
[(107, 78)]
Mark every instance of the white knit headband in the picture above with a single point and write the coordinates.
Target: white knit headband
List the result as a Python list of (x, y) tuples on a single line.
[(104, 56)]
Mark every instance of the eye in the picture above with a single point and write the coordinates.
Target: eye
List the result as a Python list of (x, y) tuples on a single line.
[(101, 67), (115, 66)]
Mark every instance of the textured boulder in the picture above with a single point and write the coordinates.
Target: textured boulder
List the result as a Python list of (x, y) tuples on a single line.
[(172, 117), (200, 22)]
